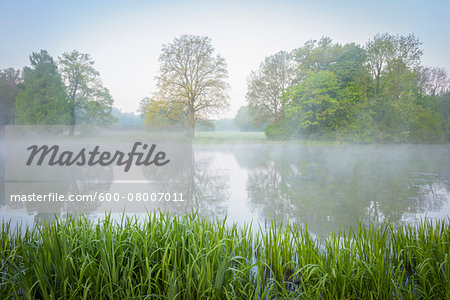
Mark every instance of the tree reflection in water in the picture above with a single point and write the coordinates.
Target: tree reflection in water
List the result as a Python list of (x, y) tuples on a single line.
[(327, 186)]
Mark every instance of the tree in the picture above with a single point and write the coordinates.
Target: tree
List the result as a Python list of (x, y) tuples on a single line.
[(315, 56), (89, 101), (9, 81), (266, 86), (245, 120), (380, 51), (43, 100), (127, 119), (405, 61), (434, 81), (162, 115), (395, 57), (192, 79), (313, 103)]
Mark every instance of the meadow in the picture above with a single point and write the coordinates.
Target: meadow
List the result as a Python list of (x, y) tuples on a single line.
[(230, 137)]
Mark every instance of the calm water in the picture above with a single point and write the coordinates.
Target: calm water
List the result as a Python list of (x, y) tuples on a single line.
[(327, 187)]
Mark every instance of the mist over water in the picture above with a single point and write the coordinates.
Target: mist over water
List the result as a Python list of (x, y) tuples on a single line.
[(330, 187), (327, 187)]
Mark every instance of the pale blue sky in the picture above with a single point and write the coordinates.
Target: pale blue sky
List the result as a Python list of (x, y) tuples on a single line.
[(125, 37)]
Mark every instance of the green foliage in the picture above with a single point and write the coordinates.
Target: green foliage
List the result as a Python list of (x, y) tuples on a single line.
[(89, 101), (189, 257), (127, 119), (426, 127), (248, 120), (191, 80), (379, 93), (9, 88), (71, 95), (280, 130), (163, 115), (361, 127), (42, 99), (444, 109), (205, 125), (313, 103)]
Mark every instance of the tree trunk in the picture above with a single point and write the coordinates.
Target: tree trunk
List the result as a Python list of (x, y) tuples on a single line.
[(377, 90), (398, 87), (192, 130), (72, 120), (365, 87), (72, 110), (191, 120)]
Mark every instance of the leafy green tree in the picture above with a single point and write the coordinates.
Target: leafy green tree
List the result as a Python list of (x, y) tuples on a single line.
[(426, 126), (191, 80), (9, 88), (404, 64), (444, 110), (394, 62), (330, 98), (42, 100), (313, 103), (380, 50), (314, 56), (89, 101)]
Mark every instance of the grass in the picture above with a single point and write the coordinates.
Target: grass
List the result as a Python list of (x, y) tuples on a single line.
[(190, 257), (258, 137), (230, 137)]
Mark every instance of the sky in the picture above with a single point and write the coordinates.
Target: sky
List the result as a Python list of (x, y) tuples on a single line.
[(125, 38)]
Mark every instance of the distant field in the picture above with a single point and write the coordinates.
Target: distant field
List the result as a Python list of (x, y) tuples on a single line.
[(252, 137), (230, 136)]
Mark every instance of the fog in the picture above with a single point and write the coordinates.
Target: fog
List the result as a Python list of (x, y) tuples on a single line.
[(329, 187)]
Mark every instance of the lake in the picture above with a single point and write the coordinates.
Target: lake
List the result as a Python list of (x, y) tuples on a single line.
[(327, 187)]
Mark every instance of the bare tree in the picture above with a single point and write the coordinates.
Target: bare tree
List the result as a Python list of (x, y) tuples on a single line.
[(192, 79), (434, 81), (266, 86)]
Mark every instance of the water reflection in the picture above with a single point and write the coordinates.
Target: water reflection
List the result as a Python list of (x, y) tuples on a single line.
[(327, 187)]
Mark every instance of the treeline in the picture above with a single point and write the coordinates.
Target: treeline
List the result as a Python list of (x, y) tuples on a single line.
[(48, 92), (379, 92)]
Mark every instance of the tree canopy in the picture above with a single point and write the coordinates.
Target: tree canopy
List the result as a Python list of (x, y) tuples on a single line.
[(42, 100), (9, 88), (191, 82), (44, 94), (89, 101), (267, 84), (376, 93)]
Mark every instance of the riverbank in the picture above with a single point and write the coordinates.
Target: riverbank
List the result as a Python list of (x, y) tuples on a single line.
[(259, 137), (251, 137), (190, 257)]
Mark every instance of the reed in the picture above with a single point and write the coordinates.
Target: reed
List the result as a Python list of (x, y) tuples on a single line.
[(190, 257)]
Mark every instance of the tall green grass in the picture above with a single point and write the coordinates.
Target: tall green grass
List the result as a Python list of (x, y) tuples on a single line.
[(190, 257)]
